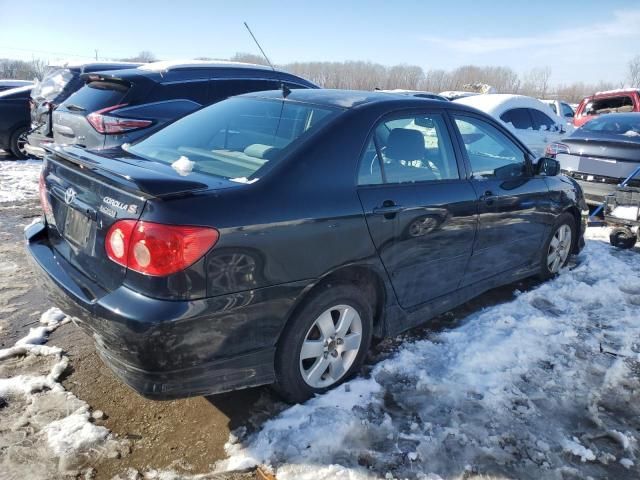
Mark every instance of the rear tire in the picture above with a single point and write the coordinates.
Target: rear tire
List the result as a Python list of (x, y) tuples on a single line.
[(324, 343), (18, 141), (622, 237), (558, 247)]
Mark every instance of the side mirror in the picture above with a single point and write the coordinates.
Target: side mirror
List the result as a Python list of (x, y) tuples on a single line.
[(549, 167)]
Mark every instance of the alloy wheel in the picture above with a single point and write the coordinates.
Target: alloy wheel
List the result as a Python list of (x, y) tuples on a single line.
[(330, 346), (559, 248)]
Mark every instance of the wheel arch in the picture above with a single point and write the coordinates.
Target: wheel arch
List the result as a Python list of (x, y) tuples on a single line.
[(363, 276), (575, 213)]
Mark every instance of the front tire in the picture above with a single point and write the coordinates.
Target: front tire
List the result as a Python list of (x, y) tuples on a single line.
[(324, 343), (559, 245)]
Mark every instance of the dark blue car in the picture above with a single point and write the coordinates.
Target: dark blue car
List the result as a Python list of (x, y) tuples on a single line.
[(268, 238)]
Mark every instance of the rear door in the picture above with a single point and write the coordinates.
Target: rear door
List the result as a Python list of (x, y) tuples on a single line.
[(420, 209), (511, 201)]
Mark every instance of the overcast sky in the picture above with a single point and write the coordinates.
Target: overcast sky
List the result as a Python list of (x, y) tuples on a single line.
[(579, 40)]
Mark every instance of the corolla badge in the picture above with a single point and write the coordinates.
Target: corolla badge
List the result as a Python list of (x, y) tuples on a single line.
[(70, 195)]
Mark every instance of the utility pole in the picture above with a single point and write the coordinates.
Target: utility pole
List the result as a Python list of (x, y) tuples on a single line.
[(96, 50)]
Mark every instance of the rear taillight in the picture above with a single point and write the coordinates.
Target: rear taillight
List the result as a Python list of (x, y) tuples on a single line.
[(157, 249), (107, 124), (554, 149), (44, 200)]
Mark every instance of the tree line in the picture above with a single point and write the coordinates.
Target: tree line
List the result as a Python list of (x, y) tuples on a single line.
[(362, 75)]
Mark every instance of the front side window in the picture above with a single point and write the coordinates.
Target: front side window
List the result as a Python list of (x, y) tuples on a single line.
[(409, 149), (518, 117), (221, 89), (567, 111), (541, 121), (234, 138), (491, 153)]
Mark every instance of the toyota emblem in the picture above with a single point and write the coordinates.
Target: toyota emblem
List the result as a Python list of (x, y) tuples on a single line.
[(70, 195)]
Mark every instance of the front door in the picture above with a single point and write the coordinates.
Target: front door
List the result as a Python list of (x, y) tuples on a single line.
[(511, 200), (420, 210)]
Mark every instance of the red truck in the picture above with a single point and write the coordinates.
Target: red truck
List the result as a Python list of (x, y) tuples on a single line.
[(611, 101)]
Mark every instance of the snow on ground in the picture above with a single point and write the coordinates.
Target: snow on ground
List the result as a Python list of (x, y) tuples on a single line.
[(19, 179), (45, 431), (544, 386)]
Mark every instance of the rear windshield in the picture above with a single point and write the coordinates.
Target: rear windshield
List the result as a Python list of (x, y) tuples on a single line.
[(598, 106), (52, 84), (628, 125), (234, 138), (96, 96)]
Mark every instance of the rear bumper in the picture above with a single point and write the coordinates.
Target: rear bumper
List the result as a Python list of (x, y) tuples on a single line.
[(35, 144), (595, 193), (170, 349)]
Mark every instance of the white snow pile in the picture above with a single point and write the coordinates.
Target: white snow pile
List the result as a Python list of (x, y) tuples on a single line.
[(631, 133), (543, 386), (183, 166), (19, 180), (45, 431)]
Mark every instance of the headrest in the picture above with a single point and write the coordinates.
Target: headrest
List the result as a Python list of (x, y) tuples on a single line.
[(405, 144)]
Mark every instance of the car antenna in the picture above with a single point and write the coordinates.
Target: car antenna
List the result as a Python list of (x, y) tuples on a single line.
[(285, 90)]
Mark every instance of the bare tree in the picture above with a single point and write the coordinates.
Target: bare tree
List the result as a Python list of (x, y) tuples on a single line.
[(145, 56), (536, 82), (634, 71)]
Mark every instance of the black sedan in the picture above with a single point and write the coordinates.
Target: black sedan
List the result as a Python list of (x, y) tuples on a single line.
[(267, 238), (14, 120), (601, 154)]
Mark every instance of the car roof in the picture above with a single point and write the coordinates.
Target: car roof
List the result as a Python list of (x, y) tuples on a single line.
[(347, 99), (497, 103), (243, 70), (167, 65)]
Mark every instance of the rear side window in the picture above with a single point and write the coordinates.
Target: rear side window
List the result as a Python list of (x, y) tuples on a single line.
[(518, 117), (599, 106), (188, 90), (222, 89), (541, 121), (96, 96), (409, 149), (234, 138)]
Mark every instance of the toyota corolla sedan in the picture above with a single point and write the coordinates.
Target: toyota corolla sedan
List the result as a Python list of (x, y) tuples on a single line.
[(268, 238)]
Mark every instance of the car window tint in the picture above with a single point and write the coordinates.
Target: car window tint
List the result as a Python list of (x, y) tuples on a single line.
[(491, 153), (234, 138), (369, 172), (221, 89), (518, 117), (541, 121), (188, 90), (98, 95), (414, 149), (567, 111)]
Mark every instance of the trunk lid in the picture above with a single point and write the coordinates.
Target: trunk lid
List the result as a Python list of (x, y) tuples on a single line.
[(88, 193)]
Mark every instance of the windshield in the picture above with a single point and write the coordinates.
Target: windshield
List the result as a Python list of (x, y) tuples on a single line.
[(622, 125), (52, 84), (234, 138)]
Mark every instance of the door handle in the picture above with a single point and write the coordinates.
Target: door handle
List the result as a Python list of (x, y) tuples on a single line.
[(387, 208), (487, 196)]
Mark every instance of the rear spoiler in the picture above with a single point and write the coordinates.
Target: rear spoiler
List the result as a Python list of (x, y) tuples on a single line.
[(154, 181)]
